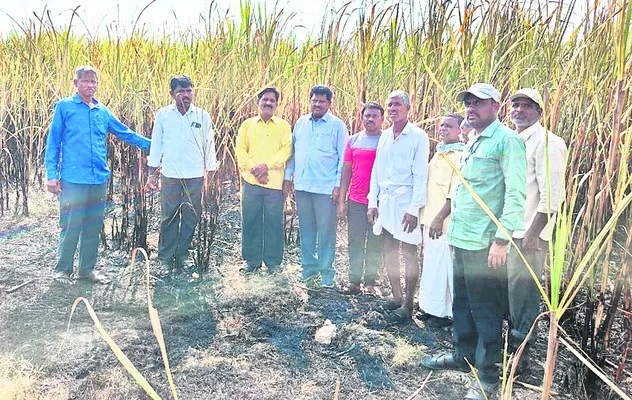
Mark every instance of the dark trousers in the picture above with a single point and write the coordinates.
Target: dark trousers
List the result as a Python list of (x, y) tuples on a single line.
[(81, 211), (261, 225), (478, 310), (365, 249), (181, 207), (317, 224), (523, 293)]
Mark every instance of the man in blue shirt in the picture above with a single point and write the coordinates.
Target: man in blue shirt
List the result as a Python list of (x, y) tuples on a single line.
[(319, 140), (77, 171)]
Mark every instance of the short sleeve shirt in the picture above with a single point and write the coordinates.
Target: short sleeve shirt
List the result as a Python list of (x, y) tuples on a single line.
[(360, 152)]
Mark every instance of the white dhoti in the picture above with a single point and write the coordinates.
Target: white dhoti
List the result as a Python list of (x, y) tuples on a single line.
[(392, 207), (437, 284)]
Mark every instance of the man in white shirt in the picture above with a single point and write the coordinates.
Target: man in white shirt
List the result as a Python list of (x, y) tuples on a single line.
[(542, 202), (183, 146), (397, 193)]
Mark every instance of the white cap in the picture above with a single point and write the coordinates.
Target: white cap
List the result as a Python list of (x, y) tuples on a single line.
[(482, 91), (531, 94)]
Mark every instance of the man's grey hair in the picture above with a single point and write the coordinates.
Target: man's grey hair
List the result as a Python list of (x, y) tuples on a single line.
[(465, 124), (400, 94), (84, 69)]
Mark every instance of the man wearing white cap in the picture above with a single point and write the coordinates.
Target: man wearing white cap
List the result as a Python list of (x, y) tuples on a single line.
[(494, 167), (542, 202), (397, 193)]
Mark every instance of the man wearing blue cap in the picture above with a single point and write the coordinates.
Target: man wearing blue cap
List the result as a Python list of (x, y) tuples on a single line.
[(494, 169)]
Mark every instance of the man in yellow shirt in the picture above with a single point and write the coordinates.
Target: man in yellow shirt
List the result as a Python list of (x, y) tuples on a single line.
[(435, 298), (264, 144)]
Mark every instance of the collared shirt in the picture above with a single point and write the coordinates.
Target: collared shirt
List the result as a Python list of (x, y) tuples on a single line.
[(360, 152), (77, 138), (442, 182), (319, 147), (401, 162), (268, 142), (182, 145), (537, 200), (495, 165)]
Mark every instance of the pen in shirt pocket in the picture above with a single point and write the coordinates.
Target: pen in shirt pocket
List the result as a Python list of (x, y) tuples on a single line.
[(196, 125)]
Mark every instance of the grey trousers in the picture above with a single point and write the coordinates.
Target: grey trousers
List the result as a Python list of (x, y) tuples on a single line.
[(522, 292), (81, 211), (478, 309), (181, 207), (261, 225), (365, 249)]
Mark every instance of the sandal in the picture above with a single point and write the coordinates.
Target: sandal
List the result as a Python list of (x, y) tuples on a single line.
[(484, 391), (94, 278), (445, 362), (63, 277)]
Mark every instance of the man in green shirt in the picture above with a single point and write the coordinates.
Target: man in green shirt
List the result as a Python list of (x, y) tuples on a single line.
[(494, 166)]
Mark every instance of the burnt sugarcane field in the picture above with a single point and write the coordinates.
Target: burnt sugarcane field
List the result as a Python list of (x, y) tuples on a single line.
[(216, 210)]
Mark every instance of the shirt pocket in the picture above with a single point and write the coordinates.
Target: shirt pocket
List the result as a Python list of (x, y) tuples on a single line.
[(324, 141), (481, 169), (101, 121), (401, 159)]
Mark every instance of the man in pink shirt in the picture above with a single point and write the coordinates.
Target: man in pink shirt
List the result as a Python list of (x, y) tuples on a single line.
[(365, 248)]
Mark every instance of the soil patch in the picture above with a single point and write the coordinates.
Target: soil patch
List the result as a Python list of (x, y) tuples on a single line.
[(227, 335)]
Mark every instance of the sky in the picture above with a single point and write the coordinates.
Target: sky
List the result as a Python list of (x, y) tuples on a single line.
[(100, 15)]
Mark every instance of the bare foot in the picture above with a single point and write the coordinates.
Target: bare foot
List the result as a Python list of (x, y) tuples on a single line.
[(402, 313)]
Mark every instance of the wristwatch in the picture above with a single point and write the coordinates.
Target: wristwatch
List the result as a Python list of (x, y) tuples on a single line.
[(501, 242)]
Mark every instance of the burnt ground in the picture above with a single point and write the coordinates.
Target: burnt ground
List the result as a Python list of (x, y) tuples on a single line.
[(227, 336)]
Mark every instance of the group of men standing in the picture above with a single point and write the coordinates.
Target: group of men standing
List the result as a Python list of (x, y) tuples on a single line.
[(181, 155), (518, 175), (383, 182), (395, 199)]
